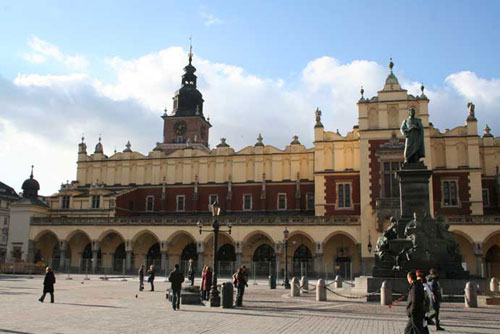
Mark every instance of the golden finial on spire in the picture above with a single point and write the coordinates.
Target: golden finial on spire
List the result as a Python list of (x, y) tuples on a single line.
[(391, 64)]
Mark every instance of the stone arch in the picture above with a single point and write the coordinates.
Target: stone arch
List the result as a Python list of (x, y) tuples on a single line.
[(302, 261), (491, 253), (105, 233), (141, 246), (251, 243), (257, 232), (177, 243), (174, 236), (42, 233), (71, 234), (141, 233), (47, 248), (341, 255), (109, 241), (465, 245), (77, 241), (295, 233), (347, 234)]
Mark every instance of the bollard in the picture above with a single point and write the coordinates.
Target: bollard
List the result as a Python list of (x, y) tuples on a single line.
[(272, 282), (304, 283), (338, 282), (320, 291), (295, 289), (494, 284), (385, 293), (227, 295), (470, 295)]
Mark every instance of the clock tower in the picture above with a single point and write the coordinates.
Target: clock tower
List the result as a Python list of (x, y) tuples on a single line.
[(186, 125)]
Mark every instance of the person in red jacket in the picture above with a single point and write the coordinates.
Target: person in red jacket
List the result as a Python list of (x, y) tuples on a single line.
[(207, 283)]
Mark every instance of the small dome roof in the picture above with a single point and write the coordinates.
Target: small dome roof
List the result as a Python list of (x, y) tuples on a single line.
[(30, 186)]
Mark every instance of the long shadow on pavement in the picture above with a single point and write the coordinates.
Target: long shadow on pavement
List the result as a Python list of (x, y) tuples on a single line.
[(91, 305)]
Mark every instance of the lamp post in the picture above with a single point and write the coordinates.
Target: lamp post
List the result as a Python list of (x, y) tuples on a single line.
[(286, 283), (369, 242), (215, 209)]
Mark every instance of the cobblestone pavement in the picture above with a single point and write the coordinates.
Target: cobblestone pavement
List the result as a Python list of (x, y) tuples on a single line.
[(97, 306)]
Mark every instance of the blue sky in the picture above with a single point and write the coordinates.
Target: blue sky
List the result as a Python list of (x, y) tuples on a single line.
[(110, 67), (429, 39)]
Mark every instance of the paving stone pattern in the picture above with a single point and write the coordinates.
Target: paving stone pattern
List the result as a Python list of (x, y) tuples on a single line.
[(97, 306)]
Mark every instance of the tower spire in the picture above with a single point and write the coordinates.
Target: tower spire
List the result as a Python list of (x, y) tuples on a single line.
[(31, 176), (190, 49)]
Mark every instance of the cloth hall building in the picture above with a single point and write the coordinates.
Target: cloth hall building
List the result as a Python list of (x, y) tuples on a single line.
[(334, 198)]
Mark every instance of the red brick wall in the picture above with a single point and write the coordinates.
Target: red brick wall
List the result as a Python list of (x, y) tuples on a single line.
[(463, 193), (138, 197), (331, 182)]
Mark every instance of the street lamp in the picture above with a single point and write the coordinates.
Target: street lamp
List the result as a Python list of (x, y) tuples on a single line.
[(286, 283), (215, 209)]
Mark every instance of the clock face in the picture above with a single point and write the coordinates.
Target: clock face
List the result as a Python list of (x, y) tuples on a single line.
[(180, 128)]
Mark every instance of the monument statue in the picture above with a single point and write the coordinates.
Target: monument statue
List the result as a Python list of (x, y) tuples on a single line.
[(413, 130)]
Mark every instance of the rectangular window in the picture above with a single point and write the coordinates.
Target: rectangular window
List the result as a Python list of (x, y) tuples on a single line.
[(181, 203), (65, 202), (111, 203), (310, 201), (96, 201), (486, 197), (281, 201), (247, 202), (150, 203), (390, 179), (450, 193), (213, 199), (344, 195)]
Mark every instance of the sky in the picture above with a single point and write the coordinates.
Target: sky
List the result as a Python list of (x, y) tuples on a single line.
[(110, 68)]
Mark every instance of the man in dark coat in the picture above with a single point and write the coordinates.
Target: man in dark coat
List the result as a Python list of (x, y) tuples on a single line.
[(433, 281), (151, 278), (415, 308), (240, 281), (48, 284), (176, 278), (141, 278)]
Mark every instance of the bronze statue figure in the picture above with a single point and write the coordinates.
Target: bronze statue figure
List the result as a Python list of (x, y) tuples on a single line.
[(413, 131)]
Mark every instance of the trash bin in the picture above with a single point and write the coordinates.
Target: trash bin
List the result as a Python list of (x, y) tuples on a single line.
[(272, 282), (227, 295)]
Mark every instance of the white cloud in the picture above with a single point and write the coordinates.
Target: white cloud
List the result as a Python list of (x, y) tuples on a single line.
[(210, 19), (43, 50), (48, 80), (53, 110)]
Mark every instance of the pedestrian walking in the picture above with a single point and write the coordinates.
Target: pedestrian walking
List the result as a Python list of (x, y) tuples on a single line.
[(415, 305), (206, 283), (240, 282), (151, 278), (176, 278), (141, 277), (191, 271), (48, 284), (427, 300), (433, 280)]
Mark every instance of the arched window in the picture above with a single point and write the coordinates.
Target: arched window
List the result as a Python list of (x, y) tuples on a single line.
[(302, 261), (154, 256)]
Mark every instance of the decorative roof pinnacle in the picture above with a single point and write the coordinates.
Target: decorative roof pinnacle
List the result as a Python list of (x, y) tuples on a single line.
[(391, 64)]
